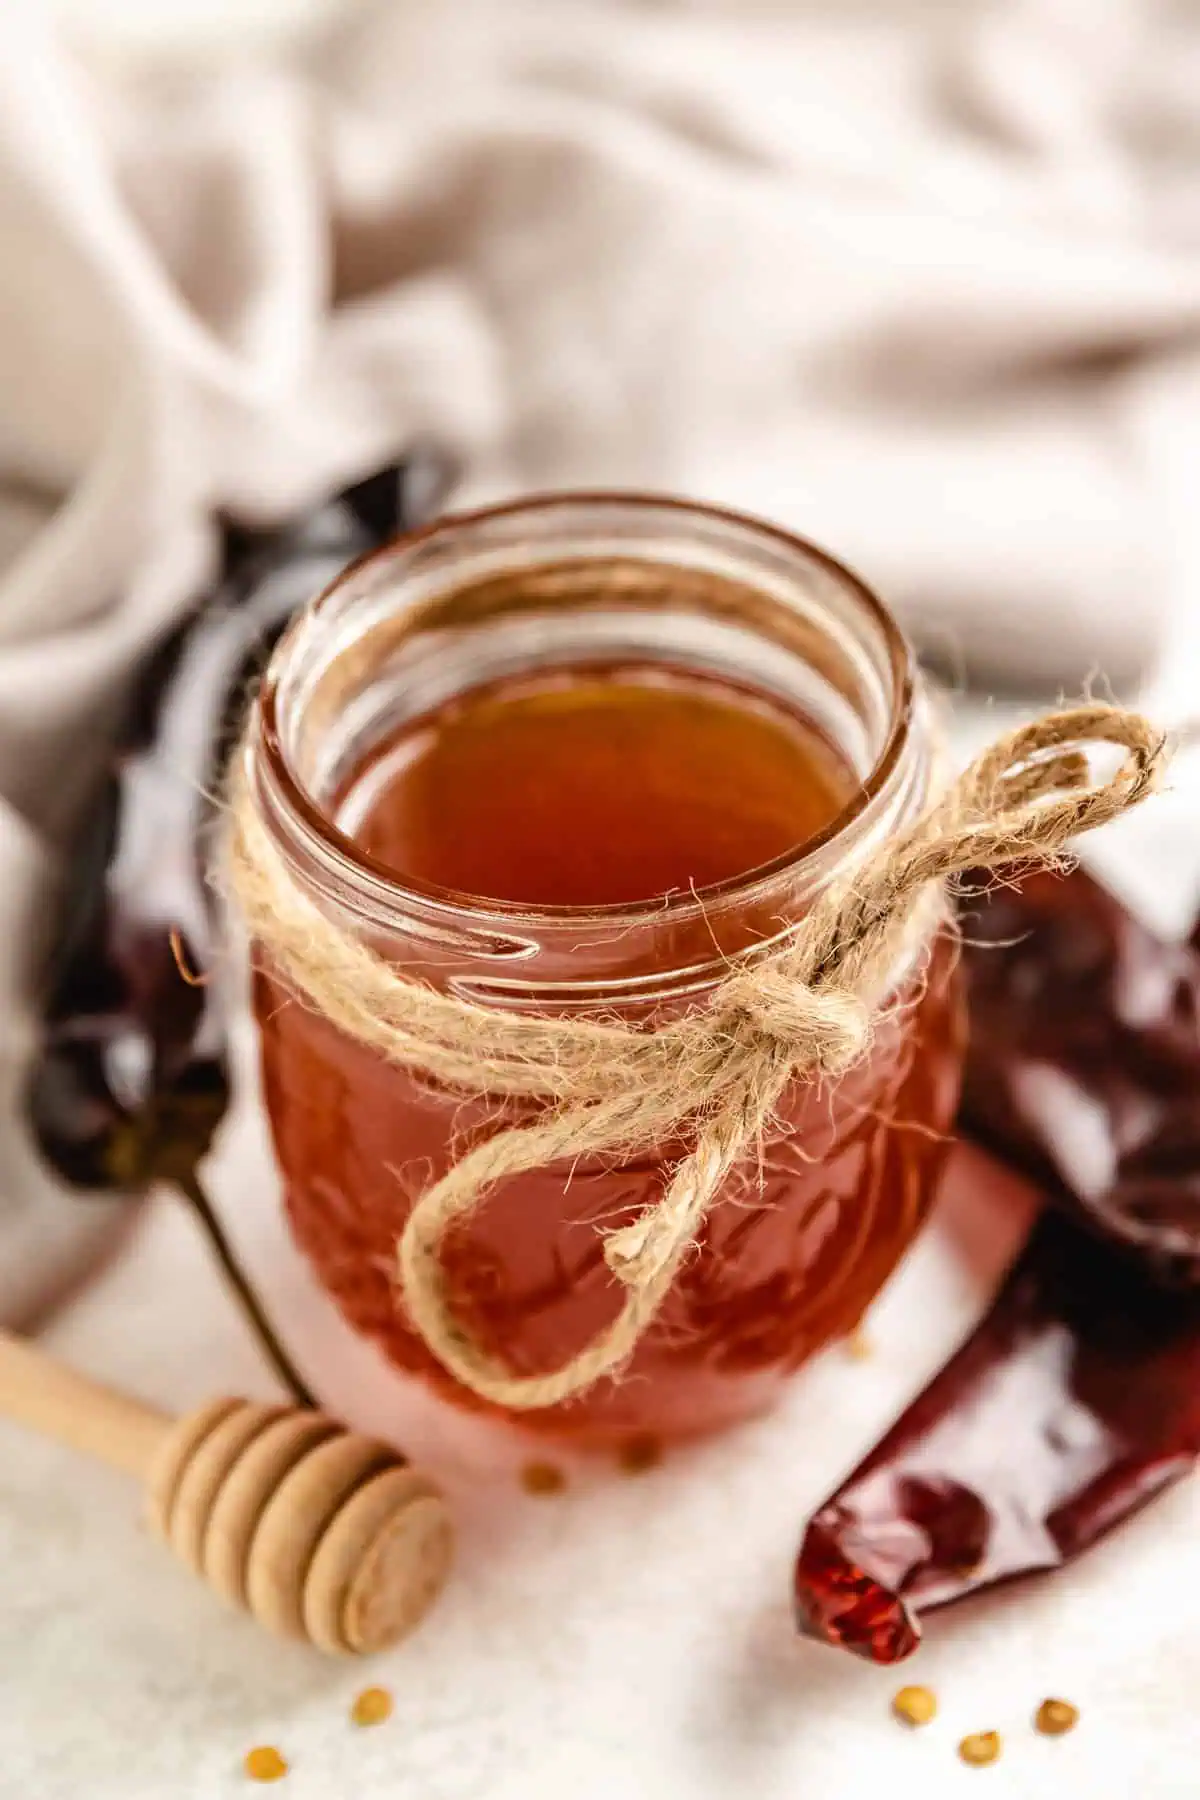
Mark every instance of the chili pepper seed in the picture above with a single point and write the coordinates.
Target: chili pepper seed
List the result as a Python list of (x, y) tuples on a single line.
[(914, 1705), (542, 1478), (980, 1748), (264, 1763), (640, 1453), (372, 1706), (1054, 1717)]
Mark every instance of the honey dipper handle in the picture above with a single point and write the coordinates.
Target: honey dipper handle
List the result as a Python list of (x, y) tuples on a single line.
[(60, 1403)]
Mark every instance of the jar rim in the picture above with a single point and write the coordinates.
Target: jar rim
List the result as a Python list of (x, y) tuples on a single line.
[(316, 822)]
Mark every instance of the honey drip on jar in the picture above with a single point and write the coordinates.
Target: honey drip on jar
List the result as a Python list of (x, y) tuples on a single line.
[(594, 788)]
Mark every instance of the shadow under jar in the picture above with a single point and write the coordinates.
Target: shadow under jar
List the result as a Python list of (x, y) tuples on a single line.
[(569, 756)]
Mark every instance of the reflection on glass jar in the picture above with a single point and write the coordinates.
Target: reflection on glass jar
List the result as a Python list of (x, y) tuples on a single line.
[(570, 756)]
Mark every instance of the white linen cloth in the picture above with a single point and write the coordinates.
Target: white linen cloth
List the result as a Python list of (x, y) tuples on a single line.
[(922, 280)]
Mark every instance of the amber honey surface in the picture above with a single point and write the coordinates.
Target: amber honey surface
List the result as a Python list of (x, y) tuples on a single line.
[(589, 789)]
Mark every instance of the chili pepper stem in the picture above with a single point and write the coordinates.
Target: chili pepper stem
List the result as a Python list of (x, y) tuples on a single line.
[(202, 1210)]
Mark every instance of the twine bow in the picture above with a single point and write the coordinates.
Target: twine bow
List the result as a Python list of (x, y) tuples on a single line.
[(803, 1010)]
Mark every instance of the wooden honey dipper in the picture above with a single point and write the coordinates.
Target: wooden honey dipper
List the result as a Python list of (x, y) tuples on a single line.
[(319, 1532)]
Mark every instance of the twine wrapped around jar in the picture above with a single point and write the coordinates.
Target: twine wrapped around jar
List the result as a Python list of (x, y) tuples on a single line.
[(804, 1009)]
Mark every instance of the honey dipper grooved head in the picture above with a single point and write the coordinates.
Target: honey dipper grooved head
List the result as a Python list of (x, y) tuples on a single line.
[(318, 1532)]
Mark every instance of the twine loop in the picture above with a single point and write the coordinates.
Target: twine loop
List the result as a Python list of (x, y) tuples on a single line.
[(803, 1010)]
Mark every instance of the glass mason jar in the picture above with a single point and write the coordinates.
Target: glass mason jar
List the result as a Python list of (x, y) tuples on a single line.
[(797, 1248)]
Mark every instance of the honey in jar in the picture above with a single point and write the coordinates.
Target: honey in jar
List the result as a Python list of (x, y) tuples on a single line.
[(571, 756), (594, 787)]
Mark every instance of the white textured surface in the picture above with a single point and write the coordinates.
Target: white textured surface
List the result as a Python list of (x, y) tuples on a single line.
[(629, 1640)]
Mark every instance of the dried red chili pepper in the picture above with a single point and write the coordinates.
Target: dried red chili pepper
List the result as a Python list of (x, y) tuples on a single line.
[(1083, 1069), (1074, 1402), (1077, 1398), (132, 1078)]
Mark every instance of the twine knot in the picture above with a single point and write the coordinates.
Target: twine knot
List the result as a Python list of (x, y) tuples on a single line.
[(827, 1029), (804, 1010)]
